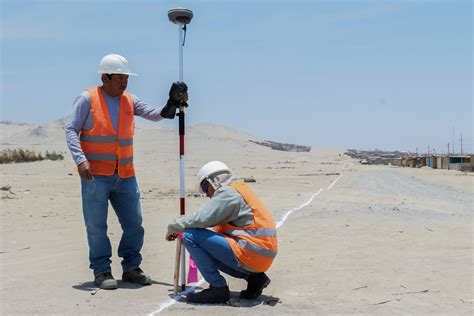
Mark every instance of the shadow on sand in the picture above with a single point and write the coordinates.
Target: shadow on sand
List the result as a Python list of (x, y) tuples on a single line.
[(236, 301), (91, 287)]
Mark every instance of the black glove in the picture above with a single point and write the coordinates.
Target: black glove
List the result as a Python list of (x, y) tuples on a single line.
[(177, 91), (176, 94)]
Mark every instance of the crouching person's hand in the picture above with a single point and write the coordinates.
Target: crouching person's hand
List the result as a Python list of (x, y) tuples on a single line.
[(171, 236)]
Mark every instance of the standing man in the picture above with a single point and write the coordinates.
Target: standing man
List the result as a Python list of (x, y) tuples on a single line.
[(243, 243), (100, 137)]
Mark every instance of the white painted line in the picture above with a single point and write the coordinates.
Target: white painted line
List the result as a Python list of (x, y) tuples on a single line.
[(175, 299), (297, 208), (334, 182)]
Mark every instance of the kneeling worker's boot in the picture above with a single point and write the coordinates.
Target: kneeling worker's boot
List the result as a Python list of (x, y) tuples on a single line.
[(256, 283), (212, 295)]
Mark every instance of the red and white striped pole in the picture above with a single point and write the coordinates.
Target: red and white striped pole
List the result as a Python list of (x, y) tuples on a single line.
[(181, 17)]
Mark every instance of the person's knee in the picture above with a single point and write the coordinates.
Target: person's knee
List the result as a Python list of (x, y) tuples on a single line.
[(96, 228), (190, 237), (134, 223)]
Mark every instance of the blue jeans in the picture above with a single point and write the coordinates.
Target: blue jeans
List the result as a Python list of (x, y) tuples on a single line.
[(124, 196), (212, 254)]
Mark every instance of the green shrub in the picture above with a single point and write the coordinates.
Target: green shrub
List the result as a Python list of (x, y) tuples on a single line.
[(54, 156), (21, 155)]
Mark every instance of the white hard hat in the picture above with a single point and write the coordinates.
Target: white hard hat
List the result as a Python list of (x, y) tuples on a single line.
[(209, 169), (114, 64)]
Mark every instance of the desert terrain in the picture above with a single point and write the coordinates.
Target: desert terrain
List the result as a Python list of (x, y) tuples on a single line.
[(353, 239)]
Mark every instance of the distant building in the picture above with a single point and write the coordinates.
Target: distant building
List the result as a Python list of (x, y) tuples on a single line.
[(385, 161), (431, 161), (461, 163)]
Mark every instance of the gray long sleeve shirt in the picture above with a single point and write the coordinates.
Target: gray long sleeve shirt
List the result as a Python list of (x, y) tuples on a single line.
[(82, 119), (225, 206)]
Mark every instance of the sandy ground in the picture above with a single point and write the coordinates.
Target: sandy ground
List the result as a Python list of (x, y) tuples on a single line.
[(375, 240)]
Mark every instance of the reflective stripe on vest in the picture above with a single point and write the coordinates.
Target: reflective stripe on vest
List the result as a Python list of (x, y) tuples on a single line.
[(98, 139), (109, 157), (106, 139), (101, 157), (125, 142), (125, 161), (259, 232), (254, 248)]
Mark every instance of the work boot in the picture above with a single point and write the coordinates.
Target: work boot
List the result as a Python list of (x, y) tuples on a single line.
[(212, 295), (256, 282), (106, 281), (136, 276)]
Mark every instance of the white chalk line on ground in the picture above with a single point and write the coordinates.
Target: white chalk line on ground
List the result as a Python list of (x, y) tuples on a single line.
[(285, 217), (334, 182), (173, 300)]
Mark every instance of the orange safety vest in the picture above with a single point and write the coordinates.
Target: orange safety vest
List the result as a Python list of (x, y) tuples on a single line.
[(102, 145), (254, 245)]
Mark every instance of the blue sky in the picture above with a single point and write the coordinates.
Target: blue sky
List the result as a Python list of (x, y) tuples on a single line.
[(334, 74)]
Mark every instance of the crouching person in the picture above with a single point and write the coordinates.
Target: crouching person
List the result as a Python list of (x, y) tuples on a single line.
[(242, 244)]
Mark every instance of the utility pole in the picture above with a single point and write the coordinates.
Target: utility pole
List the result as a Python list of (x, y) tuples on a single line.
[(448, 149), (461, 145), (453, 140)]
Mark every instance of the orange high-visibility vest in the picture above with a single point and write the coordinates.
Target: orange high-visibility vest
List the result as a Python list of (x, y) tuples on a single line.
[(106, 149), (254, 245)]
